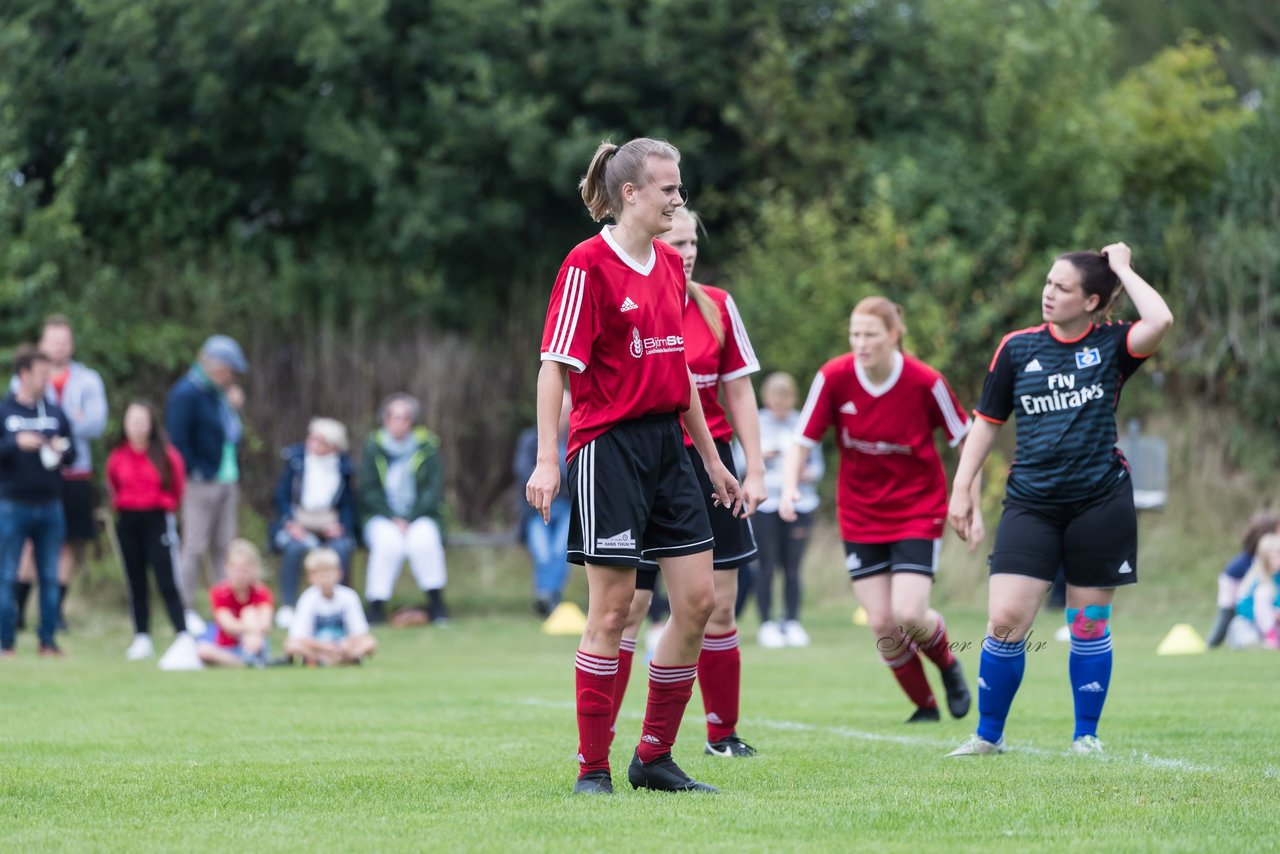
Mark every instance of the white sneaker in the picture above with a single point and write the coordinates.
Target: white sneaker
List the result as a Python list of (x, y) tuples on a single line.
[(182, 654), (770, 635), (1086, 744), (1063, 635), (284, 617), (978, 746), (195, 623), (795, 633), (140, 648)]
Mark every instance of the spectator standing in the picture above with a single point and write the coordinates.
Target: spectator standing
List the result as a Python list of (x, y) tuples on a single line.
[(316, 506), (401, 488), (35, 443), (548, 542), (782, 544), (203, 422), (78, 391), (145, 477)]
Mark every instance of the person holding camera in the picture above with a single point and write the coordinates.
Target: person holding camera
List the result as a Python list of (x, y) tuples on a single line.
[(35, 443)]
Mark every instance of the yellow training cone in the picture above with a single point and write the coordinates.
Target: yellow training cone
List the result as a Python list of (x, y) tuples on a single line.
[(566, 619), (860, 616), (1181, 640)]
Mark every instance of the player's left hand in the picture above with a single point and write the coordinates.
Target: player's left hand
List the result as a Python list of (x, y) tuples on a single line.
[(977, 530), (1119, 257)]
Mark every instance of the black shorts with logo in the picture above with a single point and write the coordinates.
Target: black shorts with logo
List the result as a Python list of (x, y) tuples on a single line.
[(735, 541), (1095, 541), (863, 560), (635, 494)]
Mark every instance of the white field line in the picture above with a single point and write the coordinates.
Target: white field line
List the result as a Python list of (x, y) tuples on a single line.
[(1133, 756)]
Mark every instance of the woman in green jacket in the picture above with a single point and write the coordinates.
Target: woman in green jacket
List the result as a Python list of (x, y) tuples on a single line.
[(400, 486)]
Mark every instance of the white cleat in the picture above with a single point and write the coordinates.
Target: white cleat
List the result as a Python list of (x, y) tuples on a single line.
[(795, 633), (770, 635), (978, 746), (1086, 744), (140, 648), (182, 654)]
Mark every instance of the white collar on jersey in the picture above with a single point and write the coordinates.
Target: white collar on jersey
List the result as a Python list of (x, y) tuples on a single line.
[(882, 389), (642, 269)]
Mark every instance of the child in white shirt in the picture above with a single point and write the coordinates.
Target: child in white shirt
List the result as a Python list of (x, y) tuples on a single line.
[(329, 625)]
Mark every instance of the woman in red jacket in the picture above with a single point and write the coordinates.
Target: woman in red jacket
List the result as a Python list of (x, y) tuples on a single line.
[(145, 475)]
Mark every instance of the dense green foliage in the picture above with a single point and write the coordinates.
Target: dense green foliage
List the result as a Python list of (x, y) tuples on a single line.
[(322, 177)]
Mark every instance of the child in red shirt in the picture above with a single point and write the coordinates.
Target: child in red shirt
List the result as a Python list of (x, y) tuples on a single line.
[(242, 609)]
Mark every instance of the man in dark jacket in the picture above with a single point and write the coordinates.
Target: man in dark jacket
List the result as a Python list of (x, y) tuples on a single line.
[(35, 443), (203, 421)]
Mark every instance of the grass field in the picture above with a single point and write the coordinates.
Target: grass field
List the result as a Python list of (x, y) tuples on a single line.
[(461, 738)]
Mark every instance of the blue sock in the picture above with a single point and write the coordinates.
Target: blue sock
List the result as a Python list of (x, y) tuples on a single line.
[(1090, 668), (999, 675)]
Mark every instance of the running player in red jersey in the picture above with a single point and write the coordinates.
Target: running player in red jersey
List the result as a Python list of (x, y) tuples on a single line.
[(891, 496), (614, 325), (719, 355), (1069, 497)]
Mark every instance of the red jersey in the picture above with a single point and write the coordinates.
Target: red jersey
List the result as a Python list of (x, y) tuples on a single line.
[(617, 324), (135, 483), (222, 596), (891, 486), (713, 363)]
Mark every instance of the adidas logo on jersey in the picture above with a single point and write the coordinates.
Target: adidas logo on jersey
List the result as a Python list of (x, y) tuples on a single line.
[(1125, 568), (629, 305), (1032, 367), (617, 541), (848, 408), (1091, 688)]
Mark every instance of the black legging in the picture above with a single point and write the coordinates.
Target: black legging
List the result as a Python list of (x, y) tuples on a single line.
[(780, 543), (147, 537)]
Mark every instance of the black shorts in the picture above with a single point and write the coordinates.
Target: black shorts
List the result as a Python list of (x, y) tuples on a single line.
[(79, 500), (919, 557), (634, 494), (735, 541), (1094, 541)]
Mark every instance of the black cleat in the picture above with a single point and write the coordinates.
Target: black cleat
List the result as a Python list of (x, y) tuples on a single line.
[(958, 700), (663, 775), (594, 783), (730, 747), (924, 715)]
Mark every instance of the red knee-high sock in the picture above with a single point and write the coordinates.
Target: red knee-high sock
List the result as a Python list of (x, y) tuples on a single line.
[(720, 675), (595, 677), (909, 672), (626, 652), (937, 648), (669, 691)]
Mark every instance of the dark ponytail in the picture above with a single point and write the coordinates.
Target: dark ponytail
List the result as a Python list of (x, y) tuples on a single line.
[(1098, 280)]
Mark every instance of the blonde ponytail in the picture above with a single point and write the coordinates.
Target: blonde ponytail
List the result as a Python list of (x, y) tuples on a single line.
[(710, 311)]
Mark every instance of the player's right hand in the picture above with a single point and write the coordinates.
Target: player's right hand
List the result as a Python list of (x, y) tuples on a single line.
[(542, 488)]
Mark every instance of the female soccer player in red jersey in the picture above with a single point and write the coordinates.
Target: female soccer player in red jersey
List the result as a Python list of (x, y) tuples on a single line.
[(1069, 497), (615, 322), (719, 356), (891, 496)]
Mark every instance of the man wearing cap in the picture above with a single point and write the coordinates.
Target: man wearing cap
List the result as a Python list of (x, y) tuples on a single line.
[(203, 422)]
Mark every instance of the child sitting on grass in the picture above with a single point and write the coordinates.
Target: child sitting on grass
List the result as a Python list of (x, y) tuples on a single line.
[(329, 626), (242, 609)]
